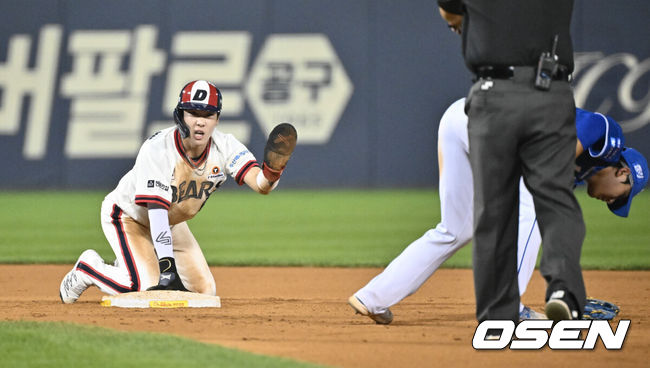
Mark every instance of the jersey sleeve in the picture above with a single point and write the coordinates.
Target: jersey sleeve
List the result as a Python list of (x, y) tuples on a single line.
[(603, 136), (239, 160), (590, 128), (153, 175)]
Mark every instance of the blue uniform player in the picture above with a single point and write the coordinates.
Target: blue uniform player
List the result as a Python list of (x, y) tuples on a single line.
[(612, 172)]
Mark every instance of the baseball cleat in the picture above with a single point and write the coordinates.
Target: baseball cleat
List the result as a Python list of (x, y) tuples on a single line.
[(558, 307), (528, 313), (76, 282), (383, 318)]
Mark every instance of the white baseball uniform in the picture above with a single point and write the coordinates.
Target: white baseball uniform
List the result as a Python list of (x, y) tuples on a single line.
[(406, 273), (163, 174)]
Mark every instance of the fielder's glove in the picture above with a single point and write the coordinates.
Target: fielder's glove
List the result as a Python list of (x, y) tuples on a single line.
[(278, 150), (169, 278), (600, 309)]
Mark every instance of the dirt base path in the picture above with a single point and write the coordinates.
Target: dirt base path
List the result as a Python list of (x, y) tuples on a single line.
[(302, 313)]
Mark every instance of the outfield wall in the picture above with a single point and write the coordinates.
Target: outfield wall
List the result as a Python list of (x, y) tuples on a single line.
[(83, 83)]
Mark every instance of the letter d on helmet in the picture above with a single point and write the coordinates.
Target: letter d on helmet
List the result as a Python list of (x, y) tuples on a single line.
[(196, 95)]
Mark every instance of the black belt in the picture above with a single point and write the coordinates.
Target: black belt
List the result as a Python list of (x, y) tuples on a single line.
[(509, 72)]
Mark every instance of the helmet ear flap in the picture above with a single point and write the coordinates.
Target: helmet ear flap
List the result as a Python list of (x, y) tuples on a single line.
[(180, 123)]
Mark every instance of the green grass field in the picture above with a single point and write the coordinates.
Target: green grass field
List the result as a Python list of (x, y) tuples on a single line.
[(55, 344), (238, 227), (322, 228)]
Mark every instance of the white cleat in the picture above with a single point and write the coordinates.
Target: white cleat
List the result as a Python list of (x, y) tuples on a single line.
[(76, 282), (528, 313), (383, 318)]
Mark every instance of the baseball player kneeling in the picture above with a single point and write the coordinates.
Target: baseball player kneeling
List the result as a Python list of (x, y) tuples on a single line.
[(612, 172), (175, 172)]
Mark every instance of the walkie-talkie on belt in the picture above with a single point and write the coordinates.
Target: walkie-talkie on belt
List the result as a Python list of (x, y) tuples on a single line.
[(546, 68)]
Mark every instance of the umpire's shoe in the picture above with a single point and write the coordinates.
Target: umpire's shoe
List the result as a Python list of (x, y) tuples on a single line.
[(76, 281), (560, 306), (384, 318)]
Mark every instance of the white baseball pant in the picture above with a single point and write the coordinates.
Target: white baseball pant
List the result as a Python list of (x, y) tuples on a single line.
[(406, 273), (136, 266)]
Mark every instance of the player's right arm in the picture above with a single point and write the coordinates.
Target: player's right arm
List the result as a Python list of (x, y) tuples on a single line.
[(161, 236), (161, 233), (153, 172)]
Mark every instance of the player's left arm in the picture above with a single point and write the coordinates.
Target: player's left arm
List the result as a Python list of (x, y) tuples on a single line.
[(277, 152), (598, 134), (255, 179)]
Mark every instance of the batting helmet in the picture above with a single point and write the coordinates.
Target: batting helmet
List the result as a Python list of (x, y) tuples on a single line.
[(196, 95)]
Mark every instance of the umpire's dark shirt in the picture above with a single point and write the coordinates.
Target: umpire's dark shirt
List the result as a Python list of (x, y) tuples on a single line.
[(513, 32)]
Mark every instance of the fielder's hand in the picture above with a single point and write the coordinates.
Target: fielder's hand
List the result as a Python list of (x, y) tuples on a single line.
[(169, 279), (278, 150)]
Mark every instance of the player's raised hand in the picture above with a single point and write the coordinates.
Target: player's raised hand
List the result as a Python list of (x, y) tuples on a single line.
[(169, 278), (278, 150)]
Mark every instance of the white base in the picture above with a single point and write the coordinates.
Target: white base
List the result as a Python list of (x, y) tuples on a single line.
[(161, 299)]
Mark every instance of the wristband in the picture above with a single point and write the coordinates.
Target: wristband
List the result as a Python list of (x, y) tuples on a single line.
[(270, 174), (264, 184)]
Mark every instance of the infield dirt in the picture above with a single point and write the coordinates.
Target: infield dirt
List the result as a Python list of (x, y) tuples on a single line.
[(301, 313)]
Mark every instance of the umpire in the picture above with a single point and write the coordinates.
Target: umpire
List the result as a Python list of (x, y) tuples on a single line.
[(521, 123)]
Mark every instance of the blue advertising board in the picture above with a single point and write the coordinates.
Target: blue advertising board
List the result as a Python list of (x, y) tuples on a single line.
[(84, 83)]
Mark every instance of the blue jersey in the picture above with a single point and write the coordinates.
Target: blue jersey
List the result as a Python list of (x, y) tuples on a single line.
[(597, 134)]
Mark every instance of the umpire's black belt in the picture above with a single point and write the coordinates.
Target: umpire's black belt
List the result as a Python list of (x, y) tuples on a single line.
[(518, 72)]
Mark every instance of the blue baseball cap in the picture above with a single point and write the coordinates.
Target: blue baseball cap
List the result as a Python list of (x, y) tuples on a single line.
[(639, 175)]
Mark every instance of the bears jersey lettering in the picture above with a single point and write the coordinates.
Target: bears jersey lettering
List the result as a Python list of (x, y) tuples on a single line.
[(163, 174)]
